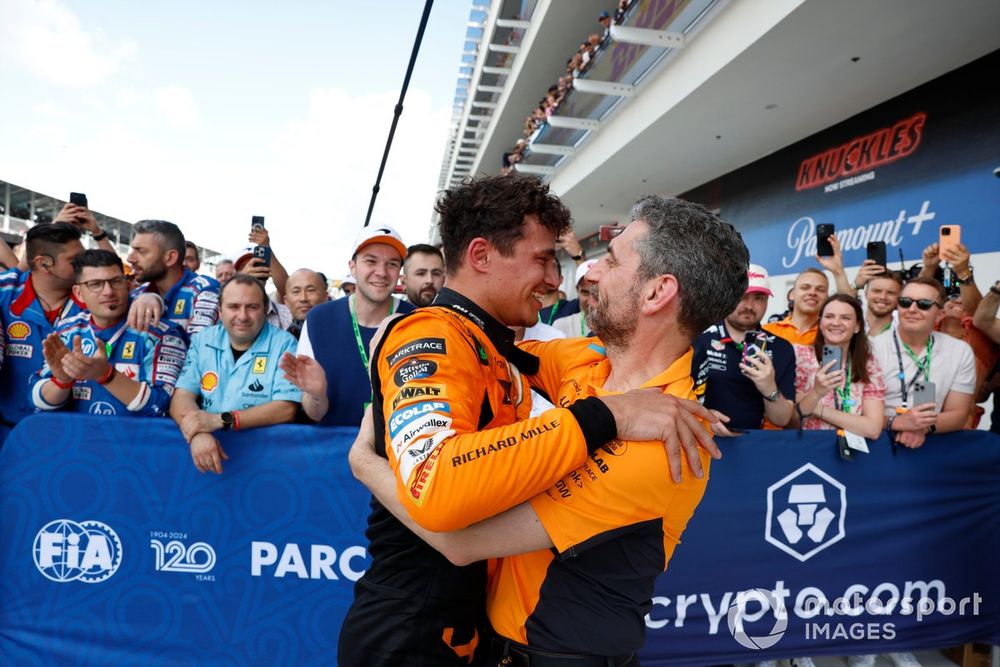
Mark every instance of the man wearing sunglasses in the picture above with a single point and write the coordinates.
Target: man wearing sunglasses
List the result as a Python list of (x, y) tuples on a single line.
[(95, 362), (918, 362)]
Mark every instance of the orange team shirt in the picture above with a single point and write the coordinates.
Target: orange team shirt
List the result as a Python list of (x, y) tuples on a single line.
[(449, 404), (614, 521), (789, 332)]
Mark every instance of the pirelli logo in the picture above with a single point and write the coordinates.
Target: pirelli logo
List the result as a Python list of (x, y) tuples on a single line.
[(419, 346)]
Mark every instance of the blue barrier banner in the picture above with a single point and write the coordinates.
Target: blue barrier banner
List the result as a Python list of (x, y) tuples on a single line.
[(115, 550)]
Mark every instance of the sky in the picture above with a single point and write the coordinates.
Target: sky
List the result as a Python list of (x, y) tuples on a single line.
[(206, 113)]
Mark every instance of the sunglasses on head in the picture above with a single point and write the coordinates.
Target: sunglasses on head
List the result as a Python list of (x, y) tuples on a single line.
[(923, 304)]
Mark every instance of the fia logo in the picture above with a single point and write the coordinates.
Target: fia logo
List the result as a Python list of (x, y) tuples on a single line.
[(65, 550), (174, 556)]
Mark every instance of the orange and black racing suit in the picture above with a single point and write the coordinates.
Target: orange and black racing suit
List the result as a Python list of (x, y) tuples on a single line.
[(450, 410)]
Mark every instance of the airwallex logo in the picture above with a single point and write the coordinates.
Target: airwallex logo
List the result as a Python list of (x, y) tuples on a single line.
[(88, 551)]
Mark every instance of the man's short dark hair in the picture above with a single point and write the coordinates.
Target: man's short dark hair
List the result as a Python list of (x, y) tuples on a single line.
[(322, 276), (191, 244), (96, 258), (705, 254), (930, 282), (244, 279), (48, 238), (171, 237), (424, 248), (494, 208), (888, 275)]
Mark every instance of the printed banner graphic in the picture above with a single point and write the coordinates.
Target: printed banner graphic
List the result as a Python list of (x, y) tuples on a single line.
[(115, 550)]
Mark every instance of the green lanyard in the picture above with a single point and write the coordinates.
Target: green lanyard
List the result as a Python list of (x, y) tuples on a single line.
[(925, 365), (552, 314), (357, 331), (583, 325), (845, 401)]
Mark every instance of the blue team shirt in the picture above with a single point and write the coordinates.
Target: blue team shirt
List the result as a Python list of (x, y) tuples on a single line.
[(721, 385), (335, 347), (192, 303), (224, 384), (153, 357), (25, 327)]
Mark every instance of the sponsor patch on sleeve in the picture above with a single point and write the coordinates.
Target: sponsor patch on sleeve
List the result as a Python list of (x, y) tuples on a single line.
[(414, 369), (416, 392), (427, 454), (404, 443), (399, 419), (415, 347)]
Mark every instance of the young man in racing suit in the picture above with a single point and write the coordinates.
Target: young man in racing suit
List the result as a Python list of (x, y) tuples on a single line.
[(449, 405)]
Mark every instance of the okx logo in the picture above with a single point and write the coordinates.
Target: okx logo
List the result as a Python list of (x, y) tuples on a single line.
[(752, 606), (89, 551), (805, 512)]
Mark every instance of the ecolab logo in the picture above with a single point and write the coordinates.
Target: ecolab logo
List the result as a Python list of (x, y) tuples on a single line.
[(862, 153)]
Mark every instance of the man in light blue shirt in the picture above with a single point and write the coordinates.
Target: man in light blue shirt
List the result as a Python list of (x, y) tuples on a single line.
[(231, 379)]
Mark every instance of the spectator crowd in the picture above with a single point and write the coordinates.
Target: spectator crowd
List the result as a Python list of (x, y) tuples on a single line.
[(89, 333), (576, 66)]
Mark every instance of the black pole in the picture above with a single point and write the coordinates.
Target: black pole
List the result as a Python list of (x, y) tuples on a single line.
[(399, 105)]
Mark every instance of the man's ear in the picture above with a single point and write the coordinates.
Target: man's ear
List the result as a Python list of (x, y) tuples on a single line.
[(172, 258), (77, 293), (477, 256), (659, 293)]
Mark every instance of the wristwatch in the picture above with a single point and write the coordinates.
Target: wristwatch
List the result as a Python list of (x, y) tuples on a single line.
[(227, 420), (994, 288), (577, 258), (967, 280), (773, 396), (99, 237)]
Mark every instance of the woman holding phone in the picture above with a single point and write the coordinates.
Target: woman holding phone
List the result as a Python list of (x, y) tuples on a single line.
[(838, 382)]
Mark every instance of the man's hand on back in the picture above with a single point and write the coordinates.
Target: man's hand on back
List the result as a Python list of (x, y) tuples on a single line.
[(649, 414)]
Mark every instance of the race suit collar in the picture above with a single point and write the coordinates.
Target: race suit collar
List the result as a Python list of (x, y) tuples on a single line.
[(501, 336)]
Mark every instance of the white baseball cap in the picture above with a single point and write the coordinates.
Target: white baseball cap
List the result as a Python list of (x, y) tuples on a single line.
[(348, 279), (582, 269), (380, 234), (758, 280)]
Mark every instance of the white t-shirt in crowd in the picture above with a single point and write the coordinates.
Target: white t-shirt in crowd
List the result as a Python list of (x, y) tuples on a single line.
[(542, 332), (953, 368)]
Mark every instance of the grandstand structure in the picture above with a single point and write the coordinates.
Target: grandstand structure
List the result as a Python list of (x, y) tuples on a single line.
[(21, 208), (726, 101)]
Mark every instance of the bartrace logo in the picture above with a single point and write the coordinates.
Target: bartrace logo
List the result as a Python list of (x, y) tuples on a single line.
[(88, 551)]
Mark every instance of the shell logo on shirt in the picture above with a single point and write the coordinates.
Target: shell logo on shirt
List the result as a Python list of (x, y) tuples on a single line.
[(209, 381), (18, 331)]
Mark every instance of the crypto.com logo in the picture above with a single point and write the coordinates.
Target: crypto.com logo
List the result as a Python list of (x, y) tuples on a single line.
[(805, 512), (738, 613)]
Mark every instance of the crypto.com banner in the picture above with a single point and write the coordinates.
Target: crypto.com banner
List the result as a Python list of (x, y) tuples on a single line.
[(114, 550)]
